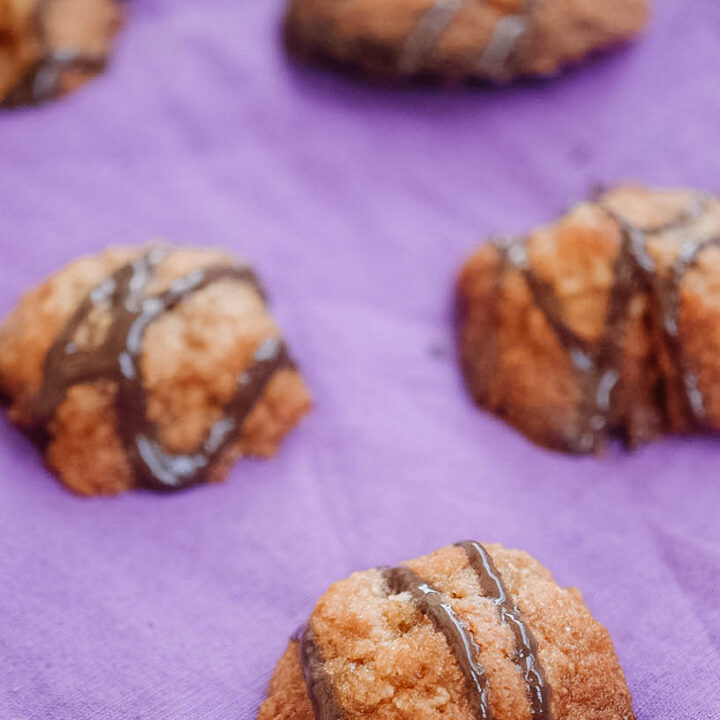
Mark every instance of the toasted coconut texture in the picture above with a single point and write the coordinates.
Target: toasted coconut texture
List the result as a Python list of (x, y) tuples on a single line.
[(153, 366), (604, 323), (497, 40), (471, 631), (50, 47)]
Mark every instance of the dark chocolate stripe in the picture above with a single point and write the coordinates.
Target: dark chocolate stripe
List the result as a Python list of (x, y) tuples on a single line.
[(426, 34), (118, 359), (317, 680), (666, 289), (428, 31), (669, 299), (597, 363), (507, 35), (41, 81), (526, 651), (431, 603), (592, 362)]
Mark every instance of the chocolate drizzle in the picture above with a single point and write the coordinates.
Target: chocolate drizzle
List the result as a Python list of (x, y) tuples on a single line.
[(666, 291), (425, 35), (41, 81), (596, 363), (669, 294), (431, 603), (318, 682), (506, 37), (118, 359), (495, 59), (526, 652)]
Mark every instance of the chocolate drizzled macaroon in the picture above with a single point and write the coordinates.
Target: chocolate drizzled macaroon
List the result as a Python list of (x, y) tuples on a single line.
[(496, 40), (471, 632), (605, 323), (154, 367), (50, 47)]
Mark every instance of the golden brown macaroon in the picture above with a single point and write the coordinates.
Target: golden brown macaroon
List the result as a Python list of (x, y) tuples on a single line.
[(604, 323), (470, 632), (497, 40), (149, 367), (50, 47)]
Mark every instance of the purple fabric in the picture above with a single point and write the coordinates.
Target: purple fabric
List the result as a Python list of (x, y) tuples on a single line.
[(357, 205)]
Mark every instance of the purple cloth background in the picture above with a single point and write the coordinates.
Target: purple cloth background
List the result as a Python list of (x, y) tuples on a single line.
[(357, 205)]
